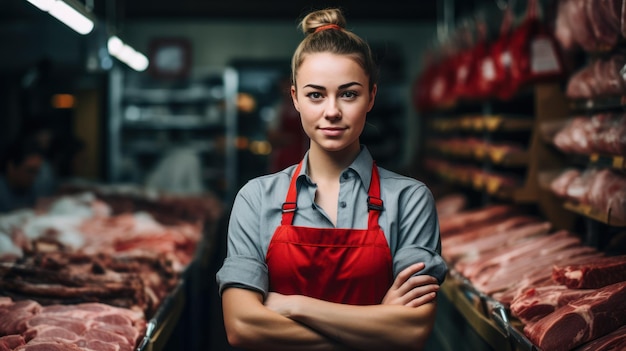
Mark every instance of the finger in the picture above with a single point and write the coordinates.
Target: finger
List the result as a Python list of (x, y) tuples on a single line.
[(406, 273), (416, 281), (422, 300), (419, 291)]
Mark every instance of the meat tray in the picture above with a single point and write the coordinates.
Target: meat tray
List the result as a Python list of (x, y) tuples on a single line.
[(471, 305), (160, 326), (486, 315)]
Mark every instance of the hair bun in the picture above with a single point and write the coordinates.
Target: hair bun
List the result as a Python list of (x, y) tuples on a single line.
[(326, 17)]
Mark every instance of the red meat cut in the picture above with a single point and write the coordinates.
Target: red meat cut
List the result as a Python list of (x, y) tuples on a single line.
[(581, 320), (593, 274), (614, 341), (536, 303)]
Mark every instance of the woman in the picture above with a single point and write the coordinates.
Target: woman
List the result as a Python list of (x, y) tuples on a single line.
[(334, 253)]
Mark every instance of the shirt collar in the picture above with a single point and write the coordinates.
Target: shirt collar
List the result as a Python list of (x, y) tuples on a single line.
[(362, 166)]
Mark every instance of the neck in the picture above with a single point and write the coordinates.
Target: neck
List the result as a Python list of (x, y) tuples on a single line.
[(329, 165)]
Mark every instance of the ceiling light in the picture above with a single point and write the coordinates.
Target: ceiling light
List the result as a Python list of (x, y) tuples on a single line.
[(70, 12), (126, 54)]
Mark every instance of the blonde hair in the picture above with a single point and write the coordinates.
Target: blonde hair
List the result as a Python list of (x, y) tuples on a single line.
[(335, 39)]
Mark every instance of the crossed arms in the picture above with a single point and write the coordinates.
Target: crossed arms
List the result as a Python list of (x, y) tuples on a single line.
[(402, 321)]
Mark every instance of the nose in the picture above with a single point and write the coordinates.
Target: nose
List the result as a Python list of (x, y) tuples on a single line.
[(332, 110)]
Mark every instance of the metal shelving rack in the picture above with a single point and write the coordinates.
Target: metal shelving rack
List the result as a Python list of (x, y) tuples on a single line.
[(143, 110)]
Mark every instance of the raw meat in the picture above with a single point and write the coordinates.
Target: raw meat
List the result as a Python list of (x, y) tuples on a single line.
[(560, 184), (473, 218), (605, 22), (505, 276), (594, 274), (614, 341), (10, 342), (536, 303), (538, 276), (91, 326), (581, 320), (497, 240), (548, 243), (601, 77), (488, 229), (450, 205)]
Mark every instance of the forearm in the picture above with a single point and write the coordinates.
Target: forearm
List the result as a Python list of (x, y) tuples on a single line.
[(377, 327), (251, 326)]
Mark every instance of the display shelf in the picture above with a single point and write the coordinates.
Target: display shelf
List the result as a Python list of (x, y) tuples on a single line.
[(614, 162), (160, 327), (495, 154), (174, 114), (180, 122), (474, 308), (483, 123), (193, 94), (594, 214), (599, 103), (487, 316), (489, 183)]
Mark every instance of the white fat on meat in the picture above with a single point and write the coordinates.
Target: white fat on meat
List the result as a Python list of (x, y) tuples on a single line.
[(63, 219), (63, 227), (146, 224), (577, 274)]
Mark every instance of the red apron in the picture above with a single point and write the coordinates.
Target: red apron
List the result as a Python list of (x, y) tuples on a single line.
[(350, 266)]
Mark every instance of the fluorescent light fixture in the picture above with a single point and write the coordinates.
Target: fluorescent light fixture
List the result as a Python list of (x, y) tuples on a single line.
[(126, 54), (69, 12)]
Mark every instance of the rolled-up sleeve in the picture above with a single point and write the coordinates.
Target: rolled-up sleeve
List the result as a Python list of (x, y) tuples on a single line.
[(243, 272), (244, 266), (418, 239)]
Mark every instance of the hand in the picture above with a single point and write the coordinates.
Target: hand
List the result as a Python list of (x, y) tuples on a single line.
[(412, 290), (280, 303)]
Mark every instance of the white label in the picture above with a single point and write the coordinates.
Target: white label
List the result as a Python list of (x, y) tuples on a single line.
[(543, 57), (488, 69)]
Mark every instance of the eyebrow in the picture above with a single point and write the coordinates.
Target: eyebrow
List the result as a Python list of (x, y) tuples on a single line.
[(343, 86)]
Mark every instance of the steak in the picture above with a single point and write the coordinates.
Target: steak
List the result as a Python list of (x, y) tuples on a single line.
[(593, 274), (613, 341), (536, 303), (10, 342), (582, 320)]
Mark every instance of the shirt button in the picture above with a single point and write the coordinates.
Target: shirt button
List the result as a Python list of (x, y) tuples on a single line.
[(343, 204)]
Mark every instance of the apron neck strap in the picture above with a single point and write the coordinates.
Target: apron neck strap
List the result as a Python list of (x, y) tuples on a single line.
[(374, 202)]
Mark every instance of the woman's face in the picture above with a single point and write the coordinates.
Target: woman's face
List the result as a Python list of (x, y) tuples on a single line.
[(333, 98)]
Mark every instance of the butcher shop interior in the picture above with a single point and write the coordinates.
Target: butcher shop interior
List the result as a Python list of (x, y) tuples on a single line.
[(128, 128)]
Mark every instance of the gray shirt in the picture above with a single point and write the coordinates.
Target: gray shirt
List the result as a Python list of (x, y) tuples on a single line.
[(409, 220)]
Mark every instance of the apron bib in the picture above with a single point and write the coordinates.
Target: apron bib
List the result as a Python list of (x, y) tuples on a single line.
[(349, 266)]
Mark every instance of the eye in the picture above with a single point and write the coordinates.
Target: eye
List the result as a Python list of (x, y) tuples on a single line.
[(314, 95), (349, 94)]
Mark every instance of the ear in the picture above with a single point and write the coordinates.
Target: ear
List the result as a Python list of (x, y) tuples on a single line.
[(372, 97), (294, 97)]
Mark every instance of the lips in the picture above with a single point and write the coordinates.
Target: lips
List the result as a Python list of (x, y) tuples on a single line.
[(333, 131)]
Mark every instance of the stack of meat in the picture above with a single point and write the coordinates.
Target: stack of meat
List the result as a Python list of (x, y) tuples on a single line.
[(603, 133), (28, 326), (133, 282), (601, 77), (591, 25), (586, 301), (85, 224), (603, 190), (514, 257), (90, 255)]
